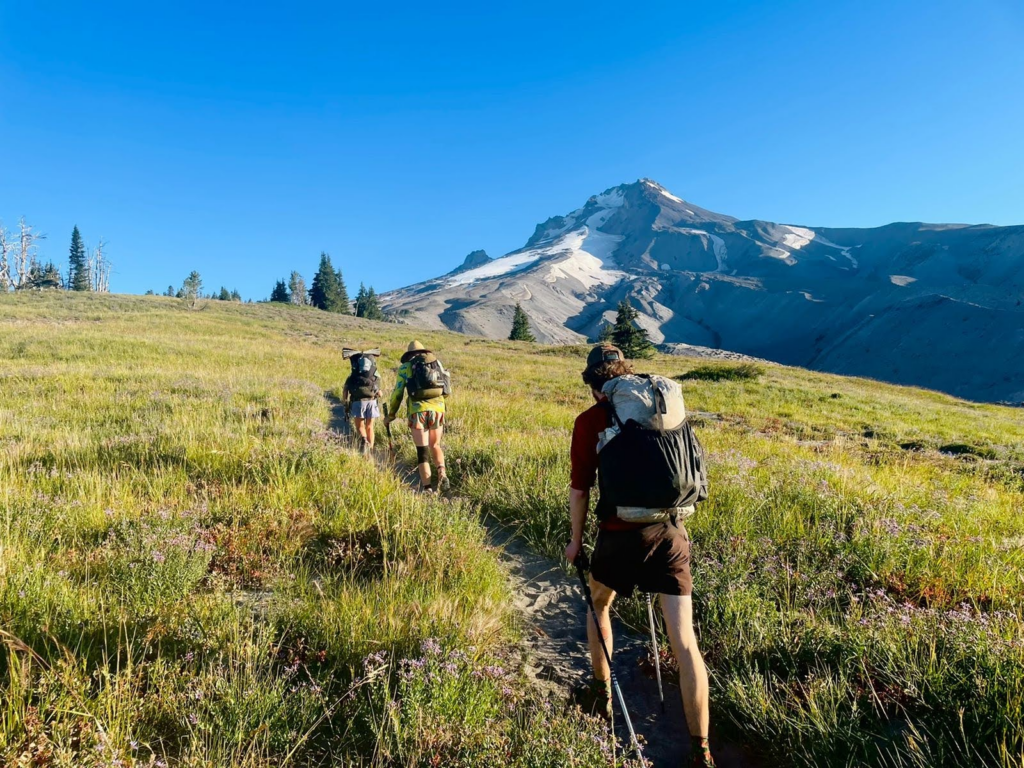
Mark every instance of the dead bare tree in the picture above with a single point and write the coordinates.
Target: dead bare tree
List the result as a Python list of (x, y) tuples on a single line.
[(99, 270), (26, 254), (6, 250)]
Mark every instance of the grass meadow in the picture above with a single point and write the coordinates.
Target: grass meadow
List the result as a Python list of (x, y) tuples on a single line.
[(194, 572)]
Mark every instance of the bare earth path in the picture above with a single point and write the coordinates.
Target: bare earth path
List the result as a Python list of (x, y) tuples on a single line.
[(550, 605)]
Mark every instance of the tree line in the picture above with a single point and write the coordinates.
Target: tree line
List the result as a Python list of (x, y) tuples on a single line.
[(21, 268), (328, 292)]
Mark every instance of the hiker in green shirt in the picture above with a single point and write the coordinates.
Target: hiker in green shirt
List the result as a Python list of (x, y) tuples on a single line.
[(427, 383)]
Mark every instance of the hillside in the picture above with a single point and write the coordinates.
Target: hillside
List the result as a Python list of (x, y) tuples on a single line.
[(195, 571), (896, 303)]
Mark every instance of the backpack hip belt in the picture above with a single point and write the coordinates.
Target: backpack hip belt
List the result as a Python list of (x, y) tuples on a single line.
[(646, 515)]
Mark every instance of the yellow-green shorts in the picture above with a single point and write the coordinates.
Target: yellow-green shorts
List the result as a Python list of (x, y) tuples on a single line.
[(426, 420)]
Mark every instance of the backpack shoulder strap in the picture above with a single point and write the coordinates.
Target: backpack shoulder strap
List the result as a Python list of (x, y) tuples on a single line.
[(613, 417)]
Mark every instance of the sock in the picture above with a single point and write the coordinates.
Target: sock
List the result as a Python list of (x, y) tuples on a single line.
[(699, 745)]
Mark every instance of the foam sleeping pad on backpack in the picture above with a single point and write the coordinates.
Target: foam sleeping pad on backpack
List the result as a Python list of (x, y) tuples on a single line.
[(653, 402)]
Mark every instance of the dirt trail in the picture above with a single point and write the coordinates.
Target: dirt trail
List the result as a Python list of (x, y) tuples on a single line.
[(550, 605)]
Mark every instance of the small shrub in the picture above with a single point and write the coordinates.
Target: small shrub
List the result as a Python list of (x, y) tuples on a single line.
[(742, 372), (966, 449)]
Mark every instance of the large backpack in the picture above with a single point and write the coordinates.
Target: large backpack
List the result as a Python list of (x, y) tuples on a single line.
[(364, 383), (428, 379), (650, 460)]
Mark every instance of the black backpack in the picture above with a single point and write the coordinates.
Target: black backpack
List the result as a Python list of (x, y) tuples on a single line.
[(429, 379), (363, 384), (651, 469)]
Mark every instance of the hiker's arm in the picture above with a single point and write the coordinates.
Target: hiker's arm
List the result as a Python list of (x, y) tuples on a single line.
[(396, 396), (579, 504)]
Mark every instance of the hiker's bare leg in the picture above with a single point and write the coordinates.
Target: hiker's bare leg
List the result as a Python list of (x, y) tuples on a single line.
[(368, 425), (436, 451), (360, 426), (421, 439), (602, 597), (693, 675)]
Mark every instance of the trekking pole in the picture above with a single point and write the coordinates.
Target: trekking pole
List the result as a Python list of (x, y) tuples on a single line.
[(657, 654), (581, 564)]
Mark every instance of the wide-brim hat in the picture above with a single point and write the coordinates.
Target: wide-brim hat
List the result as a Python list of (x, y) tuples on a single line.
[(414, 348), (604, 353)]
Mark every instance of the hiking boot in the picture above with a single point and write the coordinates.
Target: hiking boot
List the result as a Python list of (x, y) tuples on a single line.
[(595, 698), (442, 484), (429, 488)]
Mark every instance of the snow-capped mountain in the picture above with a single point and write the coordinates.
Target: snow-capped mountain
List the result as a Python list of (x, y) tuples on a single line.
[(937, 305)]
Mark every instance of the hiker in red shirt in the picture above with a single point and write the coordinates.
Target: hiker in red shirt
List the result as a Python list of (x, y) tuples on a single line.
[(652, 557)]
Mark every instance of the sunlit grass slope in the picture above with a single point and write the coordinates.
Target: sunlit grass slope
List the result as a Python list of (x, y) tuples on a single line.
[(196, 569), (195, 572)]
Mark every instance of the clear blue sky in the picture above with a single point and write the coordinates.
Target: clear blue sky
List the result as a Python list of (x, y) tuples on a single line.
[(241, 139)]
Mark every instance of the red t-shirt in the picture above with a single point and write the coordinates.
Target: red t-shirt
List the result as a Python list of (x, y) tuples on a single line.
[(586, 433)]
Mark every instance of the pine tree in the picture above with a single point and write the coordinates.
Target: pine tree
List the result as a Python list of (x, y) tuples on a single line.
[(343, 301), (328, 290), (280, 293), (607, 334), (78, 272), (297, 287), (373, 310), (628, 336), (521, 326), (225, 294), (361, 301), (43, 277), (150, 292), (170, 291), (235, 295), (192, 290)]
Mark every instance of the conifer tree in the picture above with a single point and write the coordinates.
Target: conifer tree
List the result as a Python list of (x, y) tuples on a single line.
[(373, 310), (78, 264), (170, 291), (521, 326), (280, 293), (328, 291), (628, 336), (297, 287), (607, 333), (43, 277), (225, 294), (361, 301), (235, 295), (343, 300)]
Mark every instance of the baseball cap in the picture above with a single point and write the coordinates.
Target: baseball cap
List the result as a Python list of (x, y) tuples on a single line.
[(604, 353)]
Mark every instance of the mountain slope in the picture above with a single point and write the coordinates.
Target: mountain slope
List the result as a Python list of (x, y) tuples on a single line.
[(934, 305)]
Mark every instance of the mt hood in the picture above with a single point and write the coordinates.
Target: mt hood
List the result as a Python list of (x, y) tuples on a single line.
[(935, 305)]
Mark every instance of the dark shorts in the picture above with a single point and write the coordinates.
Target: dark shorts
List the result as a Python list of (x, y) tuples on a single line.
[(655, 558)]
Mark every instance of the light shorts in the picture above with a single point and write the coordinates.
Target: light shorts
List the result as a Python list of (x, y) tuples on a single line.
[(364, 409)]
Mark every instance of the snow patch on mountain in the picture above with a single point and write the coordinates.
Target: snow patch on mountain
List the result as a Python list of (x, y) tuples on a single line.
[(796, 238), (661, 191)]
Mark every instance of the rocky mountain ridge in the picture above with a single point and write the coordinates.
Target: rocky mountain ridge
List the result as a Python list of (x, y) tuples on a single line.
[(935, 305)]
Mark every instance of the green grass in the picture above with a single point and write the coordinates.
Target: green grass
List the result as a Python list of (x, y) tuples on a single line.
[(194, 572), (859, 566)]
